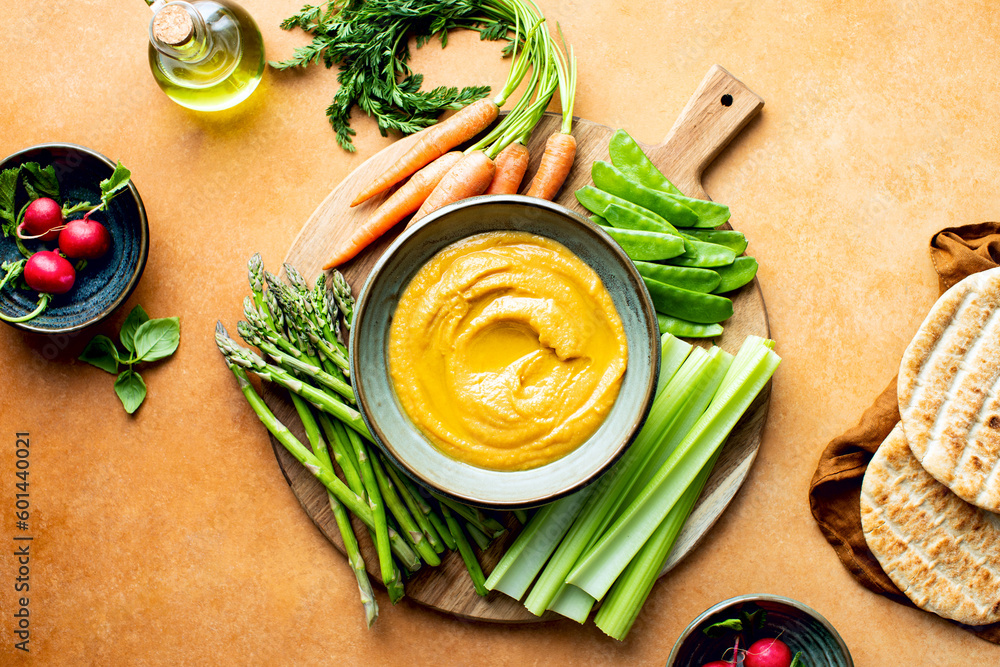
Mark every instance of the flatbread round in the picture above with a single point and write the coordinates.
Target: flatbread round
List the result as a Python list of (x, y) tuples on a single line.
[(938, 549), (949, 390)]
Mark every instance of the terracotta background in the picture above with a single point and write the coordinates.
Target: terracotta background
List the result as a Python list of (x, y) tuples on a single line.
[(171, 537)]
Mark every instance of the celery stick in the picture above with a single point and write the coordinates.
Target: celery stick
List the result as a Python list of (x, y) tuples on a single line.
[(673, 352), (533, 546), (613, 486), (626, 597), (697, 402), (602, 564), (573, 602)]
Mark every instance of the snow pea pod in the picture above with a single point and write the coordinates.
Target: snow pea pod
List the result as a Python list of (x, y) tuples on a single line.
[(696, 280), (705, 255), (608, 178), (638, 218), (629, 158), (738, 274), (598, 202), (730, 238), (687, 305), (684, 329), (646, 245), (710, 213)]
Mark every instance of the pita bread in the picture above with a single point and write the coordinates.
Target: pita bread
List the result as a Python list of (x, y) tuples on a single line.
[(942, 552), (949, 390)]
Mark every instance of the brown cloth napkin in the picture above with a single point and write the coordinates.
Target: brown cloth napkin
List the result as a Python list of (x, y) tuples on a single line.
[(835, 491)]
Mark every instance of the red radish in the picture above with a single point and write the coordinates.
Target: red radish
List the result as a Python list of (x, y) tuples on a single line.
[(84, 239), (48, 271), (768, 653), (718, 663), (40, 219)]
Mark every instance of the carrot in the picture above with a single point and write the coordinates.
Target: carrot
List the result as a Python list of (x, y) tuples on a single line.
[(468, 178), (510, 164), (435, 142), (400, 204), (557, 160)]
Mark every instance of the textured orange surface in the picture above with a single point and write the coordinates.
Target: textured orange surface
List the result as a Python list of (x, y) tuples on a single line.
[(171, 537)]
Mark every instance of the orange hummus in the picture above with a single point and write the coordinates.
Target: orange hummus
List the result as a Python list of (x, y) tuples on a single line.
[(506, 351)]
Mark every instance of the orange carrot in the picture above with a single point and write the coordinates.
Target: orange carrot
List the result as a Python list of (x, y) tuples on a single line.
[(400, 204), (435, 142), (511, 163), (557, 160), (470, 177)]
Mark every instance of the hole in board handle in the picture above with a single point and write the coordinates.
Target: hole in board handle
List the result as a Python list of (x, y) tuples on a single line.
[(727, 100)]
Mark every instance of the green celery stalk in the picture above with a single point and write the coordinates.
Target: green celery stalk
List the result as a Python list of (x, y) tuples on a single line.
[(614, 485), (626, 597), (601, 565), (573, 602), (533, 546), (673, 352)]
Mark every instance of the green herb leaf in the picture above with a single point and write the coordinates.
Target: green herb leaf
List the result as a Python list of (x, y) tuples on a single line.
[(720, 628), (157, 339), (135, 318), (131, 390), (8, 186), (101, 352), (41, 182), (113, 184)]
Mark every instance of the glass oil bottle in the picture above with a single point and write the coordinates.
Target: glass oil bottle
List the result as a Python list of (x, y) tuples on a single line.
[(206, 55)]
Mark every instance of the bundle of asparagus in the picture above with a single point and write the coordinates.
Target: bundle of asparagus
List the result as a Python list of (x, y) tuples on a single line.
[(301, 330)]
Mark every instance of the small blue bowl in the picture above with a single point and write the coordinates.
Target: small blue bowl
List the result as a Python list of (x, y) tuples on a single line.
[(407, 446), (800, 627), (105, 283)]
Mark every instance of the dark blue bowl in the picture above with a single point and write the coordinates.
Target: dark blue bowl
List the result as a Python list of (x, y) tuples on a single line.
[(105, 283)]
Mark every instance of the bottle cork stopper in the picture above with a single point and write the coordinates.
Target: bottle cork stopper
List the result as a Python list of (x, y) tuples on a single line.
[(172, 25)]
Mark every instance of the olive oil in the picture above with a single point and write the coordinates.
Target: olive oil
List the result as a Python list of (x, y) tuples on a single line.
[(206, 55)]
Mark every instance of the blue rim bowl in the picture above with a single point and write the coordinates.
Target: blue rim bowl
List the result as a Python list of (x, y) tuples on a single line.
[(799, 626), (407, 446), (105, 283)]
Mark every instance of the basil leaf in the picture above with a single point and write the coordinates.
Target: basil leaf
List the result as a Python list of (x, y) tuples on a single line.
[(135, 318), (157, 339), (720, 628), (101, 352), (131, 390), (8, 185), (113, 184), (41, 182)]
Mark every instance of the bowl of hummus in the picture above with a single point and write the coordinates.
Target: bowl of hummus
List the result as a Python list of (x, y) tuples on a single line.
[(504, 351)]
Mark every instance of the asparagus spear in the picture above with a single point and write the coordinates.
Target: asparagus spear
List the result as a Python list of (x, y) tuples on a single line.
[(351, 548), (416, 509), (241, 356), (465, 549), (402, 514)]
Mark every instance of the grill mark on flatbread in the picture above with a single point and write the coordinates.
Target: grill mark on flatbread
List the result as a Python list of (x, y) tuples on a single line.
[(949, 397), (939, 550)]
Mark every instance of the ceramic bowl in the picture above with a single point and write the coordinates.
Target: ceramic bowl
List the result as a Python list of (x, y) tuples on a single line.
[(800, 627), (105, 283), (404, 443)]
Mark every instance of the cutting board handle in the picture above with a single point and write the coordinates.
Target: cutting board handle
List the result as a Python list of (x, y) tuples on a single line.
[(716, 113)]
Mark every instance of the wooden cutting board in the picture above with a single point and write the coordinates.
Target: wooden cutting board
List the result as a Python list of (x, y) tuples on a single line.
[(714, 115)]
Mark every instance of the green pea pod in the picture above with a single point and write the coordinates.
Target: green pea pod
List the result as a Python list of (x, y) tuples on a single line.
[(709, 213), (738, 274), (646, 245), (684, 329), (598, 220), (696, 280), (629, 158), (687, 305), (732, 239), (705, 255), (598, 201), (608, 178), (638, 218)]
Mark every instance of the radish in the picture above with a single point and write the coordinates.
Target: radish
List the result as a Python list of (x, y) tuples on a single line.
[(84, 239), (40, 220), (768, 653), (48, 271), (718, 663)]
